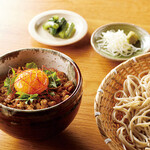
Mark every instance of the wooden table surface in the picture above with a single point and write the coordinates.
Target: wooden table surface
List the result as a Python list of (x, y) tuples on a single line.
[(82, 134)]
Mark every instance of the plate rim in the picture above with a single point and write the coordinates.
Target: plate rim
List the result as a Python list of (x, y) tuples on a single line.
[(37, 37), (116, 23)]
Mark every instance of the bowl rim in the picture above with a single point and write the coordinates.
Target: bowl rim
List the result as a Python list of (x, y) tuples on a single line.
[(113, 24), (78, 86)]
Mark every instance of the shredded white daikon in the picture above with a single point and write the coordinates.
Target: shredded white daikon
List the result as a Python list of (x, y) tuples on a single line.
[(116, 44)]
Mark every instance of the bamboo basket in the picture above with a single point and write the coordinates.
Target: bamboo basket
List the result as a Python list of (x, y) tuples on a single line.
[(104, 100)]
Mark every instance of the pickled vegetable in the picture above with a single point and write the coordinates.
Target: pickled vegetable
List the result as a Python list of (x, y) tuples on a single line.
[(70, 31), (59, 27), (115, 43), (132, 37)]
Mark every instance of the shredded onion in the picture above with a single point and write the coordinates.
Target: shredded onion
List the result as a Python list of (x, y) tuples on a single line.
[(116, 44)]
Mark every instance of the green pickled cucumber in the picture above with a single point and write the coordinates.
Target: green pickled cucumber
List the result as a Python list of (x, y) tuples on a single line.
[(70, 31), (50, 24), (61, 34), (55, 18), (59, 27)]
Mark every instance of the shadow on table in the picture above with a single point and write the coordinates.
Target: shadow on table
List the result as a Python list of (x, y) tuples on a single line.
[(81, 44), (63, 141), (84, 42)]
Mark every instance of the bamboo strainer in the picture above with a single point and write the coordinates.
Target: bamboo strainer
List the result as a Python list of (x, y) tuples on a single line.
[(104, 100)]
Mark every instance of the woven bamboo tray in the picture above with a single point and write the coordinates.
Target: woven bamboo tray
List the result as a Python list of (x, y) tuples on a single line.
[(104, 100)]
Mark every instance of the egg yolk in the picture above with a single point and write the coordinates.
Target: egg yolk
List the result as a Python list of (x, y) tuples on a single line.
[(31, 81)]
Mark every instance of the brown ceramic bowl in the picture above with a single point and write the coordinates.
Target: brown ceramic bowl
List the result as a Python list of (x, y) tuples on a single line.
[(42, 123)]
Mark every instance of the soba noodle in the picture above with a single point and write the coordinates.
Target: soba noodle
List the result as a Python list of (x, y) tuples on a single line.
[(132, 112)]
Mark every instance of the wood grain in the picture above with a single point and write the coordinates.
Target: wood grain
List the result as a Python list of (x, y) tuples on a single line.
[(82, 134)]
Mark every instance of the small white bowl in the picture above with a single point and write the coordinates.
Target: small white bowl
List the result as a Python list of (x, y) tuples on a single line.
[(143, 35), (39, 34)]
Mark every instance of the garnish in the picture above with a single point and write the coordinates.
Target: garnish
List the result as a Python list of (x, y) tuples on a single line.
[(9, 82), (26, 97), (117, 43), (31, 65), (54, 80), (51, 93), (47, 72), (13, 71)]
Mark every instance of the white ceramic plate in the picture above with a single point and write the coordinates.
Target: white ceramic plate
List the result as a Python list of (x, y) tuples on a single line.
[(144, 39), (39, 34)]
